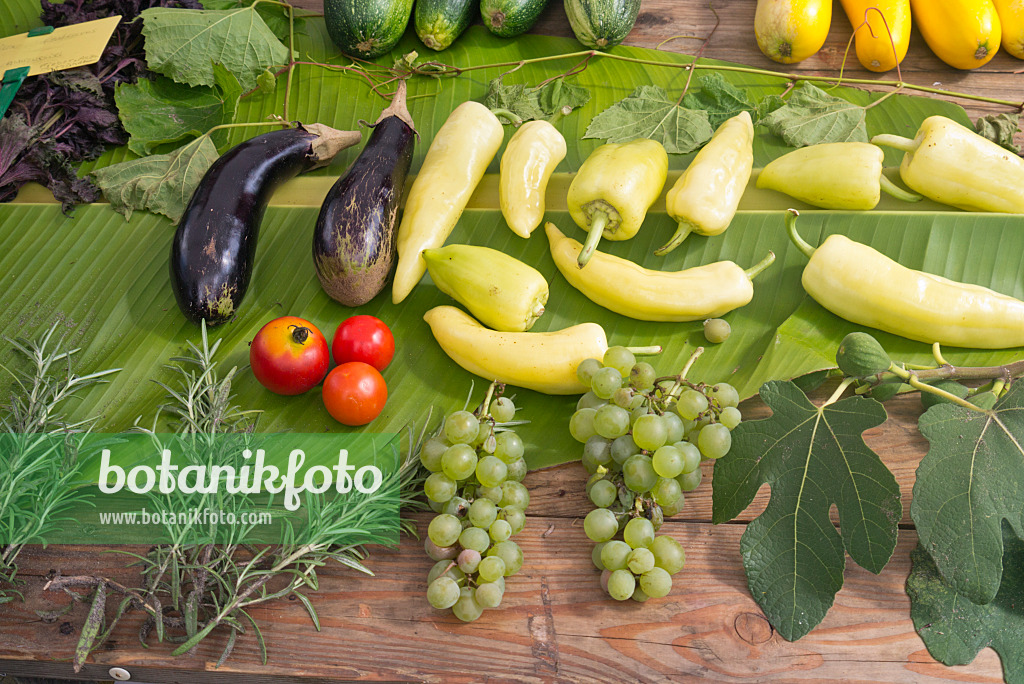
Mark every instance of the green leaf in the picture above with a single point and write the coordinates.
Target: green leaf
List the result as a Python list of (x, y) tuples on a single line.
[(648, 112), (1000, 129), (267, 81), (812, 116), (954, 629), (162, 183), (719, 98), (275, 16), (530, 103), (184, 44), (971, 479), (812, 458), (162, 111)]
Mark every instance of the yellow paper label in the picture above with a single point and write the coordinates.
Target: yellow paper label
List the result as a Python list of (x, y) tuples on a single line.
[(66, 47)]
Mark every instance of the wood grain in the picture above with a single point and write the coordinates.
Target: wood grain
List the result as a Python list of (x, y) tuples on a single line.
[(555, 625)]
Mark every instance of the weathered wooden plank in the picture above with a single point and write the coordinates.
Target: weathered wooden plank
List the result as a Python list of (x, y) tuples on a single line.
[(554, 624)]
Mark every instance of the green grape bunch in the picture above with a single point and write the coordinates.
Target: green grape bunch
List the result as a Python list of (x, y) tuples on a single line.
[(644, 438), (475, 487)]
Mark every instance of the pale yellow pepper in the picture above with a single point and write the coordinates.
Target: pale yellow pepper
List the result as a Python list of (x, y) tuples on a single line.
[(454, 164), (705, 198), (529, 159), (613, 190)]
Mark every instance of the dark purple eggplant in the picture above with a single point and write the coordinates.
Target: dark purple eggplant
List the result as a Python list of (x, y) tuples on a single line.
[(354, 241), (214, 247)]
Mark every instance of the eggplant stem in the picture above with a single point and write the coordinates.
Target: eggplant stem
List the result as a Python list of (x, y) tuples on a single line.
[(896, 191), (761, 265), (598, 222), (801, 244), (685, 228)]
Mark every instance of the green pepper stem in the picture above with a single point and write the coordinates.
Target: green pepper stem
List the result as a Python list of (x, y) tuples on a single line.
[(896, 191), (646, 351), (685, 228), (760, 265), (508, 115), (897, 141), (801, 244), (599, 221)]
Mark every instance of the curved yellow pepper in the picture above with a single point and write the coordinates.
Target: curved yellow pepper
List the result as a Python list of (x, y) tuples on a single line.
[(530, 157), (866, 287), (455, 163), (952, 164), (614, 188), (705, 198), (542, 361), (629, 289)]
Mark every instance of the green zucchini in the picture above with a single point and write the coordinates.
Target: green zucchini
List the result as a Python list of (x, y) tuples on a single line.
[(440, 22), (601, 24), (508, 18), (366, 28)]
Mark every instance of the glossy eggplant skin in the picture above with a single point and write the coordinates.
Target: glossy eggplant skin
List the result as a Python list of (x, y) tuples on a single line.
[(354, 244), (215, 245)]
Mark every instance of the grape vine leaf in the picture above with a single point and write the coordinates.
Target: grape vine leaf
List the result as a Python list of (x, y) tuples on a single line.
[(719, 98), (648, 112), (275, 16), (159, 111), (183, 44), (971, 479), (812, 458), (954, 629), (531, 103), (1000, 129), (812, 116), (161, 183)]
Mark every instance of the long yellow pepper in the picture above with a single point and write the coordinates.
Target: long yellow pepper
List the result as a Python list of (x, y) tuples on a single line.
[(530, 157)]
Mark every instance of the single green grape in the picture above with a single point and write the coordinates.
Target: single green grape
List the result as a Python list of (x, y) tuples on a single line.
[(726, 394), (730, 417), (603, 494), (488, 594), (619, 358), (510, 553), (491, 568), (596, 452), (673, 507), (691, 480), (483, 436), (469, 559), (668, 554), (666, 492), (491, 471), (482, 512), (508, 446), (437, 553), (642, 376), (500, 530), (444, 568), (456, 506), (590, 400), (430, 454), (676, 427), (691, 456), (461, 427), (621, 585), (623, 397), (595, 555), (516, 471), (433, 505), (515, 516), (444, 529), (443, 592), (667, 461), (475, 538), (514, 494), (638, 473), (714, 441), (585, 371), (606, 382), (581, 425), (691, 403), (492, 493), (467, 609), (615, 554), (638, 533), (622, 448), (638, 595), (650, 432), (640, 561), (459, 461), (656, 582), (503, 410), (716, 330), (439, 487), (600, 525), (611, 421)]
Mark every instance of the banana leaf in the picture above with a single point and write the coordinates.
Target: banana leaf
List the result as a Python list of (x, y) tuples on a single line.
[(107, 279)]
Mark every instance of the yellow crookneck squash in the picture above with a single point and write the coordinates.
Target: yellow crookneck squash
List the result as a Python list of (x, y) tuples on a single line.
[(962, 33), (789, 31), (874, 45), (1011, 16)]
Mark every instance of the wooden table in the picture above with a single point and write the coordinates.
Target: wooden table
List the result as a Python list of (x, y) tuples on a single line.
[(554, 623)]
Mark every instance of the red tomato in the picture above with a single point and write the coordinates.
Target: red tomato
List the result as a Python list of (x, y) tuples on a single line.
[(364, 338), (289, 355), (355, 393)]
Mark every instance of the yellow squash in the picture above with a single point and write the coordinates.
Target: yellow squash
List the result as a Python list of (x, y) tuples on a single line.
[(541, 361), (531, 155), (454, 165), (874, 44), (789, 31), (1011, 18), (962, 33)]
